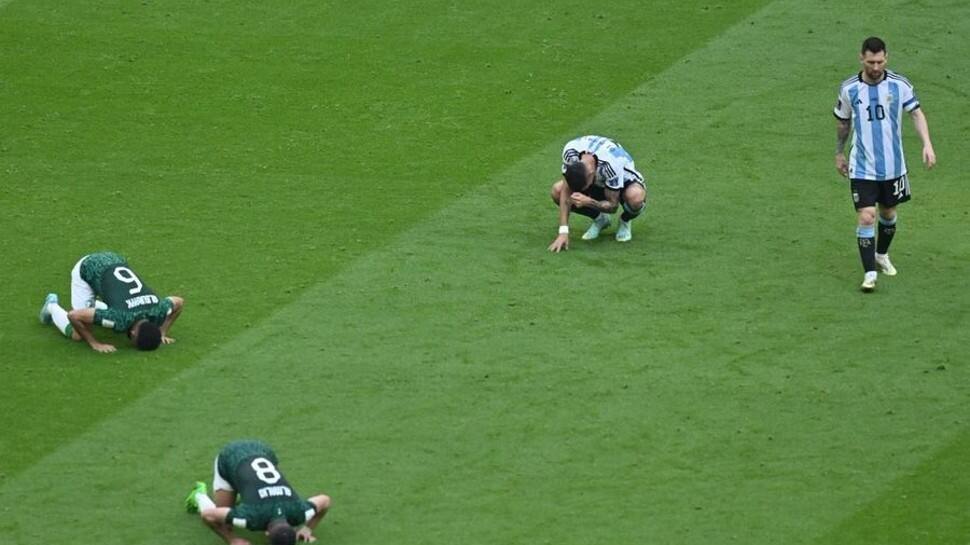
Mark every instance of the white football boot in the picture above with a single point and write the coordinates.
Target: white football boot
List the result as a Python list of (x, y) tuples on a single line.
[(869, 282), (601, 222), (885, 266), (624, 232)]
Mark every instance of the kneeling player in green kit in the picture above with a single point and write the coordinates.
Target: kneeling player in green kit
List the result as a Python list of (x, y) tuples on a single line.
[(106, 292), (266, 500)]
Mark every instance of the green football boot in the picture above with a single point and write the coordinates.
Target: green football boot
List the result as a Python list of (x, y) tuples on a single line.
[(191, 505)]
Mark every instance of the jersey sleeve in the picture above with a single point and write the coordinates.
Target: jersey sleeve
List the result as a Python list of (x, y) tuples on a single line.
[(570, 154), (843, 106), (614, 177), (908, 98), (301, 512), (113, 318), (161, 312), (237, 518)]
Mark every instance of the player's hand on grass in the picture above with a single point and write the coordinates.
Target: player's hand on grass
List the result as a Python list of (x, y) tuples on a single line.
[(104, 348), (929, 156), (305, 535), (841, 164), (167, 340), (561, 243)]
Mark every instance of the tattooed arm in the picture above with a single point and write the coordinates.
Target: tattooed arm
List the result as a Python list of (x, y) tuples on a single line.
[(841, 137)]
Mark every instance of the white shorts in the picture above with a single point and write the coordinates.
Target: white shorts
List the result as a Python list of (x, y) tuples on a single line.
[(82, 294), (218, 481)]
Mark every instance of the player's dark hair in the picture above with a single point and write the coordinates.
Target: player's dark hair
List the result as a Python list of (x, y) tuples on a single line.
[(280, 532), (148, 337), (576, 175), (873, 45)]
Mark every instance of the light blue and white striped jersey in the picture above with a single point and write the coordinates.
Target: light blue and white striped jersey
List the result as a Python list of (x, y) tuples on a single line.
[(614, 166), (876, 112)]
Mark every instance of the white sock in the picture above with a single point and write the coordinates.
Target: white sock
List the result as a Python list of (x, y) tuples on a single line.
[(99, 305), (204, 501), (59, 316)]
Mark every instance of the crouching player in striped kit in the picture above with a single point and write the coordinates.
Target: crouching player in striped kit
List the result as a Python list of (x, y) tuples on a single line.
[(598, 177), (870, 107), (267, 502)]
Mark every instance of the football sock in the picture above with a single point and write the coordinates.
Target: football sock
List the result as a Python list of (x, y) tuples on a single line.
[(887, 228), (866, 235), (204, 501), (630, 213), (587, 211), (59, 317)]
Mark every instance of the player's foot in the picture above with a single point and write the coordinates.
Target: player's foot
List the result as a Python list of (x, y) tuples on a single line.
[(191, 504), (601, 222), (869, 282), (45, 311), (886, 266), (623, 232)]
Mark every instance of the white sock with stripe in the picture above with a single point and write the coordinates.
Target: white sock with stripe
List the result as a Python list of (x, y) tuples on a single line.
[(59, 317), (204, 501)]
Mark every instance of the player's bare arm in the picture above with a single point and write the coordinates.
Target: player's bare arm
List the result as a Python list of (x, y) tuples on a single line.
[(215, 515), (842, 130), (215, 518), (177, 303), (562, 239), (608, 206), (321, 503), (81, 320), (923, 130)]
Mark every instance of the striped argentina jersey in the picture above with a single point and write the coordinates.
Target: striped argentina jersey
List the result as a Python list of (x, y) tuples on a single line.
[(614, 166), (876, 112)]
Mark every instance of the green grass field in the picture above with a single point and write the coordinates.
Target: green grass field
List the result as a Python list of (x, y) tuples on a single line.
[(354, 203)]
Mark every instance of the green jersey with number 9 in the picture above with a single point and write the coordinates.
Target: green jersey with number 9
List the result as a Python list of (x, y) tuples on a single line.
[(265, 494), (128, 298)]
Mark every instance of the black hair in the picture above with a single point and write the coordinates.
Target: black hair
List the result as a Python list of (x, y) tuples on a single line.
[(148, 337), (280, 532), (576, 175), (873, 45)]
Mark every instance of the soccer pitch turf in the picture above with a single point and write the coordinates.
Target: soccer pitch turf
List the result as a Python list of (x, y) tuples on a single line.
[(354, 202)]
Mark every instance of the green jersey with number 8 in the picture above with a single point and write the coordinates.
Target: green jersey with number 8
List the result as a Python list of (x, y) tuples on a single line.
[(128, 298), (265, 494)]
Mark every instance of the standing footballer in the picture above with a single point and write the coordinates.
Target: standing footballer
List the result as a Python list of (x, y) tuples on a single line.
[(870, 106)]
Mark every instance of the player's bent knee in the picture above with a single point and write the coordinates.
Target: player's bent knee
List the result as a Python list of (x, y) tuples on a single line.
[(556, 191), (635, 196), (867, 216), (887, 213)]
